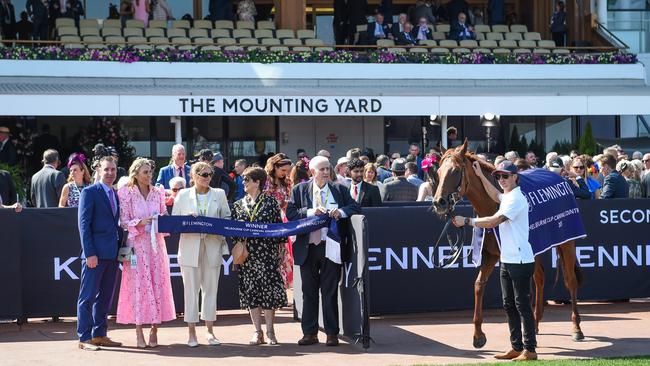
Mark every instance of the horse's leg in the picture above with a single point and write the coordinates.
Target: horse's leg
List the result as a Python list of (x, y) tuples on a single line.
[(570, 270), (538, 277), (487, 266)]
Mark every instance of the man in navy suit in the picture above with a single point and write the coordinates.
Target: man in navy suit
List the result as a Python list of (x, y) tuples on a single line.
[(177, 168), (99, 214), (378, 30), (318, 257), (614, 185)]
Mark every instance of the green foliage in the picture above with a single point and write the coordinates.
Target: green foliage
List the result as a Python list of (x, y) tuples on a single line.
[(514, 144), (17, 177), (523, 146), (110, 133), (563, 147), (587, 143)]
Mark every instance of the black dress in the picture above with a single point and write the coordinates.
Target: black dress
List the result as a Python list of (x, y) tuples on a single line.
[(260, 282)]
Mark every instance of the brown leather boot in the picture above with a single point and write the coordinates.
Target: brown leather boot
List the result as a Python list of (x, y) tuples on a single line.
[(526, 356), (308, 340), (512, 354)]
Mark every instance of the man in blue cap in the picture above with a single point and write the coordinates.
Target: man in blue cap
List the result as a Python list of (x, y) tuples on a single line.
[(517, 259)]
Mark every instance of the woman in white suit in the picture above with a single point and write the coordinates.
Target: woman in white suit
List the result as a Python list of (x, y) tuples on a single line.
[(200, 255)]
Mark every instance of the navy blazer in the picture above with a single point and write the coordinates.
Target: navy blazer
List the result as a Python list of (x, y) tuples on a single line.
[(98, 228), (615, 186), (301, 201), (167, 173), (370, 31)]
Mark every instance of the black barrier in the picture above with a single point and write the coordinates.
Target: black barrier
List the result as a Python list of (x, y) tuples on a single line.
[(42, 255), (41, 266), (615, 259)]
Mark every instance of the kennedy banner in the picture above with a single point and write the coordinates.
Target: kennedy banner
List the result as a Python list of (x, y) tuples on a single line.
[(40, 268)]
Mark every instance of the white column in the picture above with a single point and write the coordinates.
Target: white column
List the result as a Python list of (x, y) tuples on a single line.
[(178, 135), (443, 131), (602, 12)]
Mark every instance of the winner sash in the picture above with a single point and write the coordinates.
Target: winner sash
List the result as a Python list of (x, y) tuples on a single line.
[(245, 229)]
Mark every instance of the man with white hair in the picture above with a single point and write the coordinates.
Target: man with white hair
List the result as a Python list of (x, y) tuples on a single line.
[(550, 157), (638, 155), (512, 156), (319, 257), (177, 167)]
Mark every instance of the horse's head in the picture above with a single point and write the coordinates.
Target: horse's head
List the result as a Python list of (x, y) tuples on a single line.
[(452, 179)]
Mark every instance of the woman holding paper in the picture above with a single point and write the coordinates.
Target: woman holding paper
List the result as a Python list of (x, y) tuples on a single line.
[(260, 284), (201, 255), (145, 291)]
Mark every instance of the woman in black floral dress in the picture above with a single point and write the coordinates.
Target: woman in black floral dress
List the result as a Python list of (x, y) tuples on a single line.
[(260, 284)]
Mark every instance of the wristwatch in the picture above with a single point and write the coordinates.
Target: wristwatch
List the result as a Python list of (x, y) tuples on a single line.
[(467, 220)]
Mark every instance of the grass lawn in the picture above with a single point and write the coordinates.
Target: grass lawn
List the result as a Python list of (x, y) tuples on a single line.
[(619, 361)]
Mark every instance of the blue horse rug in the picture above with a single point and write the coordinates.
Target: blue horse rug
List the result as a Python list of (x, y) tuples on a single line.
[(553, 214)]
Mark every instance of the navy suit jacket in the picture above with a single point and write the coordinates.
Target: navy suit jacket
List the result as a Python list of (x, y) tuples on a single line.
[(98, 228), (167, 173), (615, 186), (370, 31), (301, 201)]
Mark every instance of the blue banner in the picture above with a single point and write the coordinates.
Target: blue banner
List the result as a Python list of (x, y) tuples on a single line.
[(245, 229), (553, 214)]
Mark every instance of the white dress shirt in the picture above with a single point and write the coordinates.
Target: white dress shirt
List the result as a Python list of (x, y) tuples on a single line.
[(322, 197)]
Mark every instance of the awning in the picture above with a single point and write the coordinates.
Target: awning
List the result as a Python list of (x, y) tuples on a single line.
[(86, 89)]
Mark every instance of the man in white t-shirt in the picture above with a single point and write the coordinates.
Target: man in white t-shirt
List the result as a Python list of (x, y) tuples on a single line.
[(517, 259)]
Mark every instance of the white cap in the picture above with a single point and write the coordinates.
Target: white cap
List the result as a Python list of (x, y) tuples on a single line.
[(343, 160)]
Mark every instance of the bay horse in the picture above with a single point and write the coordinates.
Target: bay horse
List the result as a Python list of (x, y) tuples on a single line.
[(457, 179)]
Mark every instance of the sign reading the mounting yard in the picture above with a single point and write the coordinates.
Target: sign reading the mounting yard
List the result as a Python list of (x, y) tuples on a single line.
[(275, 105)]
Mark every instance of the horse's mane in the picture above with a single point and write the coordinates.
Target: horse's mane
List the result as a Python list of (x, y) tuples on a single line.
[(452, 154)]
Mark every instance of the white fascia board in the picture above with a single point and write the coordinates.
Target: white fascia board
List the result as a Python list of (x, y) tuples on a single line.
[(60, 105), (181, 70)]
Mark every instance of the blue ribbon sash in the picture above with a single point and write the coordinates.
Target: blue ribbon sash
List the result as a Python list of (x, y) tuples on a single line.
[(245, 229)]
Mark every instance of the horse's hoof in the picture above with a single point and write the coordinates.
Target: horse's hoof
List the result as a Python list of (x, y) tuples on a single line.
[(578, 336), (480, 342)]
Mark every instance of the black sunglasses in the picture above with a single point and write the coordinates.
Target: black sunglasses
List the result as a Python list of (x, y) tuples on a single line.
[(645, 160), (498, 176), (204, 175), (176, 189), (579, 167), (248, 179)]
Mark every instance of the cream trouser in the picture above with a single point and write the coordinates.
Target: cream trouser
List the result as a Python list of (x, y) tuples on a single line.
[(205, 279)]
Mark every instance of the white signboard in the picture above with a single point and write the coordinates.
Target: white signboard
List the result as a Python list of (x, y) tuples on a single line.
[(277, 106)]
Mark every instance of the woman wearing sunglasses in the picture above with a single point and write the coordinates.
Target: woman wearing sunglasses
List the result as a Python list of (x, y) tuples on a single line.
[(200, 255), (261, 287), (578, 176), (582, 166)]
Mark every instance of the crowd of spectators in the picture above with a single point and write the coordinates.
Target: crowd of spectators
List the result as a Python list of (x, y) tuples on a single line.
[(409, 178)]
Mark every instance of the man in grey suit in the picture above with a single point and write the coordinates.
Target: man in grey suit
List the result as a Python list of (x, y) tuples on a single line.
[(399, 189), (48, 182)]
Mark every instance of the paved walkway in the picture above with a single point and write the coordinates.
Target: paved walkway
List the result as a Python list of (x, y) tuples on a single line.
[(618, 329)]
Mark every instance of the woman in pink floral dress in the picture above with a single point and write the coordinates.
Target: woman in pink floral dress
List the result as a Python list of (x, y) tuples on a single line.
[(278, 186), (146, 291)]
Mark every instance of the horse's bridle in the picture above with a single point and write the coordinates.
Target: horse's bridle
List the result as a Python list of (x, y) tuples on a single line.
[(454, 197), (457, 243)]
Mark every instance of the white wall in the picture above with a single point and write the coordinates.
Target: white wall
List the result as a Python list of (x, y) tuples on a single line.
[(335, 134)]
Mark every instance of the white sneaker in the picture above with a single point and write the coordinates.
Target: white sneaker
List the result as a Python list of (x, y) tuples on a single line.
[(212, 340), (193, 343)]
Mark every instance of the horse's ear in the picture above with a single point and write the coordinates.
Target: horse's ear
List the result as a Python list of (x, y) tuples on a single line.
[(463, 147)]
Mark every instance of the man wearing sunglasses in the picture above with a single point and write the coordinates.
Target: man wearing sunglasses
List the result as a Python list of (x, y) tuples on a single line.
[(517, 260)]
